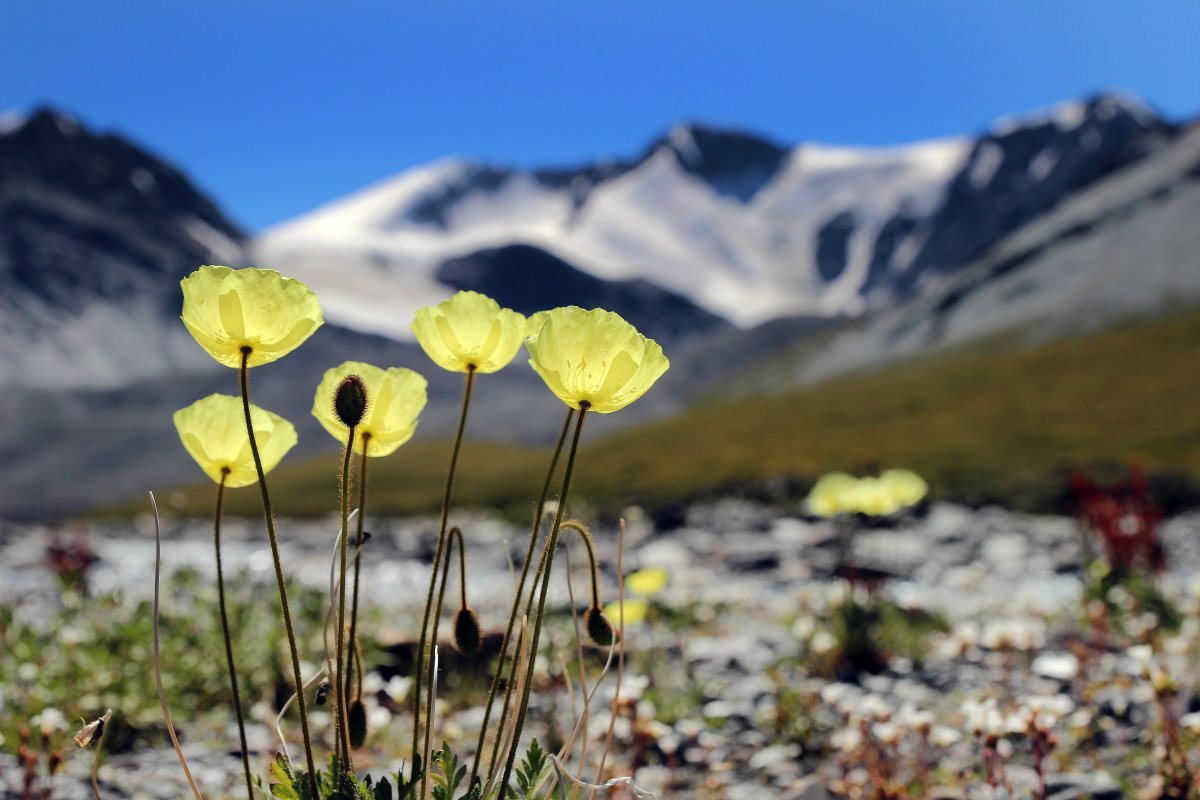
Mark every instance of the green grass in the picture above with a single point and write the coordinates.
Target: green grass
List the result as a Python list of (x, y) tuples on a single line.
[(979, 423)]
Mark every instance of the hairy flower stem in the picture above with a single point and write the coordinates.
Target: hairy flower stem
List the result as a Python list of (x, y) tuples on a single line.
[(341, 723), (269, 515), (539, 618), (233, 681), (419, 669), (352, 646), (512, 616)]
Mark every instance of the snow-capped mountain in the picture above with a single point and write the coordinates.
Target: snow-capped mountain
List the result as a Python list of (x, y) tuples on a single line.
[(742, 227), (1124, 247)]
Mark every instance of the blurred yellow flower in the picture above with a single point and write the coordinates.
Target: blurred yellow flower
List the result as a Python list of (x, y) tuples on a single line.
[(906, 486), (395, 398), (875, 499), (834, 493), (469, 330), (213, 430), (838, 493), (594, 357), (635, 611), (646, 581), (227, 309)]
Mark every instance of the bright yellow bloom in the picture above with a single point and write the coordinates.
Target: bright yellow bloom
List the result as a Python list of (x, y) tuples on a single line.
[(834, 493), (646, 581), (227, 309), (213, 430), (395, 398), (469, 330), (838, 493), (875, 499), (534, 323), (907, 487), (594, 357), (635, 611)]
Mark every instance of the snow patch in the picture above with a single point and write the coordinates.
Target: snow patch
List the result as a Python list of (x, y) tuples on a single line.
[(143, 180), (985, 164), (12, 121), (684, 142), (221, 246), (1043, 163)]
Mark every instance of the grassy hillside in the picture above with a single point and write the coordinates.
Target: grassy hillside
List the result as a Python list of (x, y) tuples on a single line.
[(977, 423)]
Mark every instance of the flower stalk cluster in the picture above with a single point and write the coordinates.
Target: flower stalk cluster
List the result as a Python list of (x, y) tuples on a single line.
[(593, 361)]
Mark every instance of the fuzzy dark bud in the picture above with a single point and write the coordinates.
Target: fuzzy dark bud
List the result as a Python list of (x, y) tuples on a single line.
[(599, 629), (350, 401), (322, 692), (356, 720), (468, 635)]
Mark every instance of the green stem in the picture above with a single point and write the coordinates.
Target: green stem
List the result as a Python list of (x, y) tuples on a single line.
[(269, 515), (512, 616), (586, 536), (233, 681), (362, 505), (462, 565), (539, 618), (437, 558), (341, 724)]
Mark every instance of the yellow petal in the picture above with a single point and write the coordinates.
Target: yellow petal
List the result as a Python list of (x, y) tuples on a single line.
[(646, 581), (226, 310), (395, 398), (834, 493), (213, 431), (635, 611), (469, 330), (906, 487), (594, 357)]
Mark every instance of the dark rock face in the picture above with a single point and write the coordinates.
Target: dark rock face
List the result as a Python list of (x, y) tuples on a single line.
[(734, 163), (1012, 177), (528, 279), (833, 245), (86, 216)]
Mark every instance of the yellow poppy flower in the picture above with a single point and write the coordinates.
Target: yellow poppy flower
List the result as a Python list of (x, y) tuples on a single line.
[(213, 430), (469, 330), (534, 323), (227, 309), (395, 398), (594, 357), (907, 487), (834, 493), (875, 498), (646, 581), (635, 611)]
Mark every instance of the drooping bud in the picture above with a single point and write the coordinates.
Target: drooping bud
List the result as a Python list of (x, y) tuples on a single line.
[(599, 629), (468, 635), (350, 401), (356, 720)]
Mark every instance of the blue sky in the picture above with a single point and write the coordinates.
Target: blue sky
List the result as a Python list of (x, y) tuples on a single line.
[(275, 107)]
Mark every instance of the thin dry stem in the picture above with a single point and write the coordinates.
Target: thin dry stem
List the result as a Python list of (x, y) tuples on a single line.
[(162, 696)]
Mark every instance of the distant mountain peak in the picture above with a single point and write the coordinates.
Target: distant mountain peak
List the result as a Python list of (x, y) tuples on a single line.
[(735, 162)]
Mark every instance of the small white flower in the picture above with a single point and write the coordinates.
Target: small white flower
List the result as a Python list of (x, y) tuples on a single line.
[(944, 736)]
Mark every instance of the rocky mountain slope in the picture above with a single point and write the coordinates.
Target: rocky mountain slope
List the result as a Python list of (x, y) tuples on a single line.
[(743, 227)]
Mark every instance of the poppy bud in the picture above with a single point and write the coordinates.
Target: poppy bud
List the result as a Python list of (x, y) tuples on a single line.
[(599, 629), (356, 720), (468, 636), (350, 401)]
